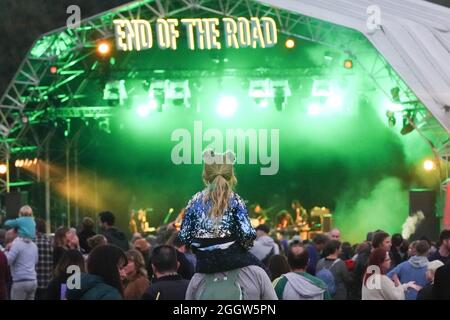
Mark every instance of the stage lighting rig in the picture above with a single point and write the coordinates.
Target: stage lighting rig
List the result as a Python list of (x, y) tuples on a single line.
[(158, 93), (115, 92), (261, 91), (281, 92), (179, 93)]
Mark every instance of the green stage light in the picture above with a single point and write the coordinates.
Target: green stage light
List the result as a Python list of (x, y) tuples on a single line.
[(264, 103), (394, 107), (226, 107), (314, 109), (334, 101), (145, 109)]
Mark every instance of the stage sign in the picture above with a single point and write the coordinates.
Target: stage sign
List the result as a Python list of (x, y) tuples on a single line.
[(202, 34)]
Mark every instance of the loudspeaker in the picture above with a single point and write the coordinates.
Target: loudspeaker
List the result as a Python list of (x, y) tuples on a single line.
[(326, 222), (425, 201), (13, 202)]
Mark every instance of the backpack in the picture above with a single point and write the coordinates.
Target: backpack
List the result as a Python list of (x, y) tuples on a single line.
[(222, 287), (327, 276)]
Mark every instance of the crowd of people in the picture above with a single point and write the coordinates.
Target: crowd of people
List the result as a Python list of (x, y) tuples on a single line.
[(216, 255)]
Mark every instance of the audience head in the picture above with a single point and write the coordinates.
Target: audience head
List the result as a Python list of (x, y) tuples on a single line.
[(380, 257), (297, 257), (333, 247), (412, 248), (422, 248), (69, 258), (164, 260), (87, 224), (142, 246), (10, 235), (25, 211), (136, 264), (72, 238), (97, 240), (397, 240), (107, 219), (381, 239), (40, 225), (444, 240), (262, 230), (107, 262), (61, 239), (278, 265), (320, 241), (218, 176), (335, 234), (346, 251)]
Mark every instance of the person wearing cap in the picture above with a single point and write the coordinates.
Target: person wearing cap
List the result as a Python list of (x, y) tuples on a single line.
[(426, 293)]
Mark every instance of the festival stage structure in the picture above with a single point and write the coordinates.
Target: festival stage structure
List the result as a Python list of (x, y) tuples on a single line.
[(401, 50)]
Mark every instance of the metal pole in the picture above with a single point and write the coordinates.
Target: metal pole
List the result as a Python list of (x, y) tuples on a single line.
[(7, 172), (47, 186), (68, 181), (77, 194)]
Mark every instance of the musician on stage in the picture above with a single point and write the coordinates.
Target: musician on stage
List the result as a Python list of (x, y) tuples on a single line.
[(257, 215), (301, 215), (284, 220)]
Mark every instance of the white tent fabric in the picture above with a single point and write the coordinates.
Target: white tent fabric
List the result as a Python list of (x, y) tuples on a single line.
[(414, 38)]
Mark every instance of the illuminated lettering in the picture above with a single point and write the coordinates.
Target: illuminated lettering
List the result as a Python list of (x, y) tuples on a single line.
[(230, 30), (201, 33), (190, 24)]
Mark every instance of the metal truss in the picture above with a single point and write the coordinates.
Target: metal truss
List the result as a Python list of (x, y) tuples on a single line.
[(34, 94)]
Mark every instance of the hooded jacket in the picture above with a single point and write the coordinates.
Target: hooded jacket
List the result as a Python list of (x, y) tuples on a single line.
[(412, 270), (263, 246), (92, 287), (116, 237), (300, 286)]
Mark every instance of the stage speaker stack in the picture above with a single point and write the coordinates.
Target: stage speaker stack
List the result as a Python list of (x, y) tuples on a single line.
[(424, 200), (13, 202), (326, 222)]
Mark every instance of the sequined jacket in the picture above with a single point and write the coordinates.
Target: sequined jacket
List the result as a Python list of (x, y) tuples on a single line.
[(219, 245)]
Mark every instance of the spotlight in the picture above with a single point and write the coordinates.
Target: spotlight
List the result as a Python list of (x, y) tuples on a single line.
[(290, 43), (261, 90), (158, 93), (395, 93), (321, 88), (226, 107), (408, 127), (391, 118), (3, 168), (115, 92), (53, 69), (314, 109), (104, 125), (281, 92), (179, 93), (104, 48), (428, 165), (145, 109), (334, 101), (348, 64)]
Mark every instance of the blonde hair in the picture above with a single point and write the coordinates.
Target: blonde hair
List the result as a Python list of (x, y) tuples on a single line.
[(25, 211), (218, 175), (139, 262)]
